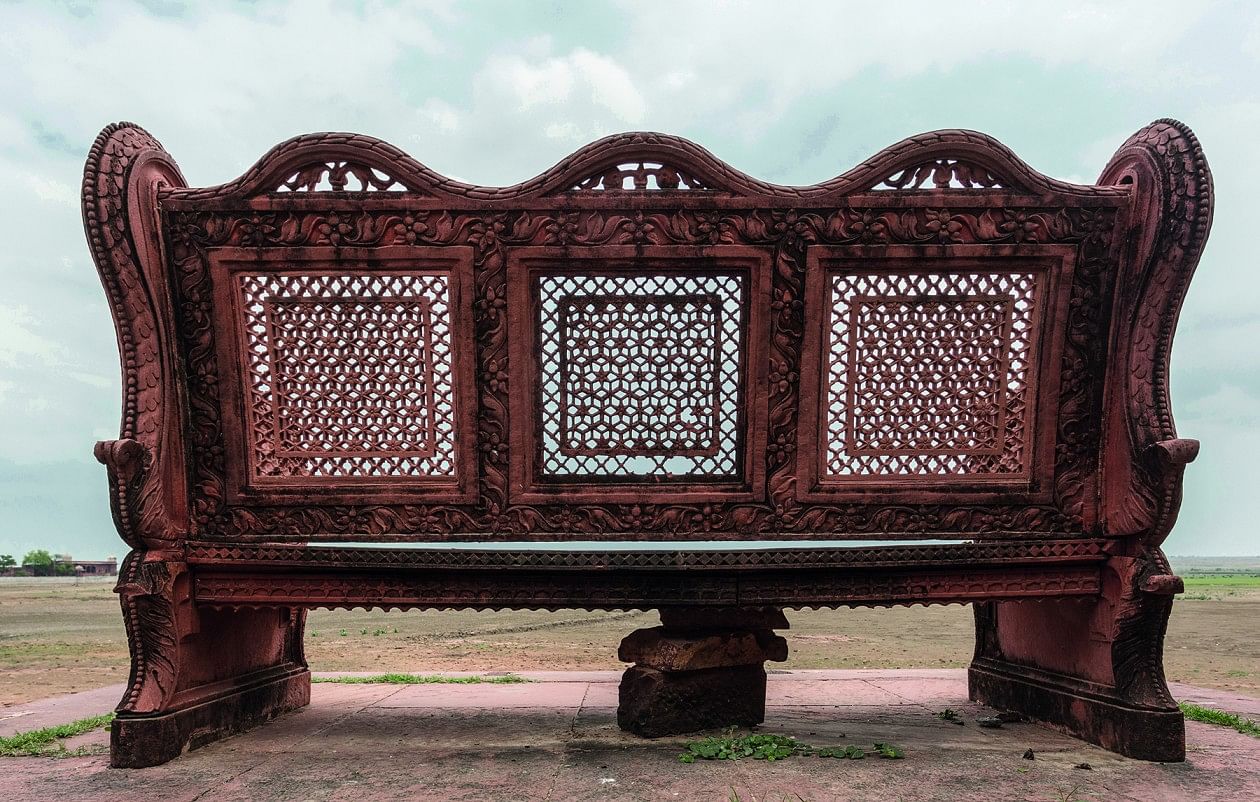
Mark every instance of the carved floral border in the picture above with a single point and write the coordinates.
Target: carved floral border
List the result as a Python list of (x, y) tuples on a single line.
[(786, 233)]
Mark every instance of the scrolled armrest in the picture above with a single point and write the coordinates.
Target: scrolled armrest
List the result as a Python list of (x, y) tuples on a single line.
[(124, 459), (125, 462), (1176, 452)]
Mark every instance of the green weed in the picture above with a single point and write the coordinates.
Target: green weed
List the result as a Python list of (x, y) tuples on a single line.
[(47, 741), (1219, 717), (761, 746)]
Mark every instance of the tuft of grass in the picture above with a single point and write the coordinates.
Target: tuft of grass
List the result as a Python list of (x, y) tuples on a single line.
[(1219, 717), (423, 679), (48, 740), (769, 747)]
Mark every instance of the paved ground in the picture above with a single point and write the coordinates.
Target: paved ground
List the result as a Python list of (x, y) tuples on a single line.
[(557, 739)]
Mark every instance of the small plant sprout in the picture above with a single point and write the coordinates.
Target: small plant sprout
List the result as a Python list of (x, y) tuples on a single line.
[(760, 746), (951, 715)]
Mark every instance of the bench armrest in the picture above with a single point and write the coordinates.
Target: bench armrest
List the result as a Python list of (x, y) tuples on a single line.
[(125, 170)]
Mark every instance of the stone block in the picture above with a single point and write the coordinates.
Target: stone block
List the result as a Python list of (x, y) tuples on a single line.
[(655, 703)]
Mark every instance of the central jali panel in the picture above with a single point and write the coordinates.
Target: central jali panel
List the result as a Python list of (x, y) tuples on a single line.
[(643, 373)]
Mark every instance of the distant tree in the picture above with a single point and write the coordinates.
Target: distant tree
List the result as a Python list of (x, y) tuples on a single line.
[(39, 561), (7, 561), (37, 557)]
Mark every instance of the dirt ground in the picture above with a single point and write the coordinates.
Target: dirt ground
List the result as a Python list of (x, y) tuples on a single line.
[(57, 637)]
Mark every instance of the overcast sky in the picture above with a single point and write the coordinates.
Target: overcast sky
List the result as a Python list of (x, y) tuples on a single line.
[(495, 93)]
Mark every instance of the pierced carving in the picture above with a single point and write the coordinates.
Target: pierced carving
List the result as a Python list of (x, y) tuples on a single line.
[(929, 374), (644, 372), (348, 375), (672, 399), (943, 174), (640, 177), (334, 176)]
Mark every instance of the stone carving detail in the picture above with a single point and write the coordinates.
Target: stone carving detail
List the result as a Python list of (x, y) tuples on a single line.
[(644, 372), (930, 373), (335, 176), (942, 174), (787, 233), (348, 375), (639, 177), (1085, 223)]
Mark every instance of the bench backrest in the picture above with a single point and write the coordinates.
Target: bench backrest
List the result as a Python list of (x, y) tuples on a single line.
[(645, 343)]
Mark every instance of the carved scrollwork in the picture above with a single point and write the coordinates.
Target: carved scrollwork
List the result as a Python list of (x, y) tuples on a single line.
[(639, 177), (126, 169), (943, 174), (147, 591), (124, 461), (601, 209), (334, 176), (1164, 168), (788, 233)]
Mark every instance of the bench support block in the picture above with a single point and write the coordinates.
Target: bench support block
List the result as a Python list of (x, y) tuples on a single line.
[(199, 673), (1093, 667), (1081, 711), (140, 741), (699, 670)]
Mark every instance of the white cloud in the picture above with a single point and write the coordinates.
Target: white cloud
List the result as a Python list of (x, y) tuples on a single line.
[(556, 82), (52, 190), (19, 342)]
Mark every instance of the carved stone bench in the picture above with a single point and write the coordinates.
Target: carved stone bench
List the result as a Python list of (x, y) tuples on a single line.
[(942, 350)]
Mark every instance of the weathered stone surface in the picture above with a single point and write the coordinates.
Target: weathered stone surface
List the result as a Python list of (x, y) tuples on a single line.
[(728, 619), (655, 703), (656, 648)]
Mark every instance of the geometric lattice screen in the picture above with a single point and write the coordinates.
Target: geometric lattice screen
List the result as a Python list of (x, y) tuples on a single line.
[(640, 375), (349, 375), (929, 374)]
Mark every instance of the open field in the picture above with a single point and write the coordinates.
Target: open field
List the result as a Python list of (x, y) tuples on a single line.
[(57, 636)]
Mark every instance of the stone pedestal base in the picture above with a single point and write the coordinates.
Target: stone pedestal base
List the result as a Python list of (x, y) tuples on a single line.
[(1081, 709), (700, 669), (138, 741), (655, 703)]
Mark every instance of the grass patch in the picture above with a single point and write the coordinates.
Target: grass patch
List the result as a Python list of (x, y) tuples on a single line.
[(1210, 715), (1222, 580), (424, 679), (48, 741), (759, 746)]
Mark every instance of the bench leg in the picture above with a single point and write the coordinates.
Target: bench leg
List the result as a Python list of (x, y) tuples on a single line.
[(1091, 668), (700, 669), (198, 675)]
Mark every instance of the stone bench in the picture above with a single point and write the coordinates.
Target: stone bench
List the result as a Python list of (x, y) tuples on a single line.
[(941, 351)]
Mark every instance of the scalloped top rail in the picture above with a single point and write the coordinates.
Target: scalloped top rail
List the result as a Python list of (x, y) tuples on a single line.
[(624, 164)]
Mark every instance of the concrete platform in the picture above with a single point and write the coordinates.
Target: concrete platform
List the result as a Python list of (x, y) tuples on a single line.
[(556, 739)]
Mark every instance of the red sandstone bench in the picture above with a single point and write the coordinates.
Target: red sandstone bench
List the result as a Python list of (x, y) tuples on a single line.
[(941, 348)]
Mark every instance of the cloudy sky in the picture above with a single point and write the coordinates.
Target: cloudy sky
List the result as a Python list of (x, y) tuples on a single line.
[(494, 93)]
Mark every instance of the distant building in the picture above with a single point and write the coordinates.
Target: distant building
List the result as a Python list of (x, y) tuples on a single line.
[(105, 567), (66, 565)]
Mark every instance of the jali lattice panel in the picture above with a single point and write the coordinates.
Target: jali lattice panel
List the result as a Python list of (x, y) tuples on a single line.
[(644, 372), (346, 373), (349, 375), (638, 373), (927, 371)]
